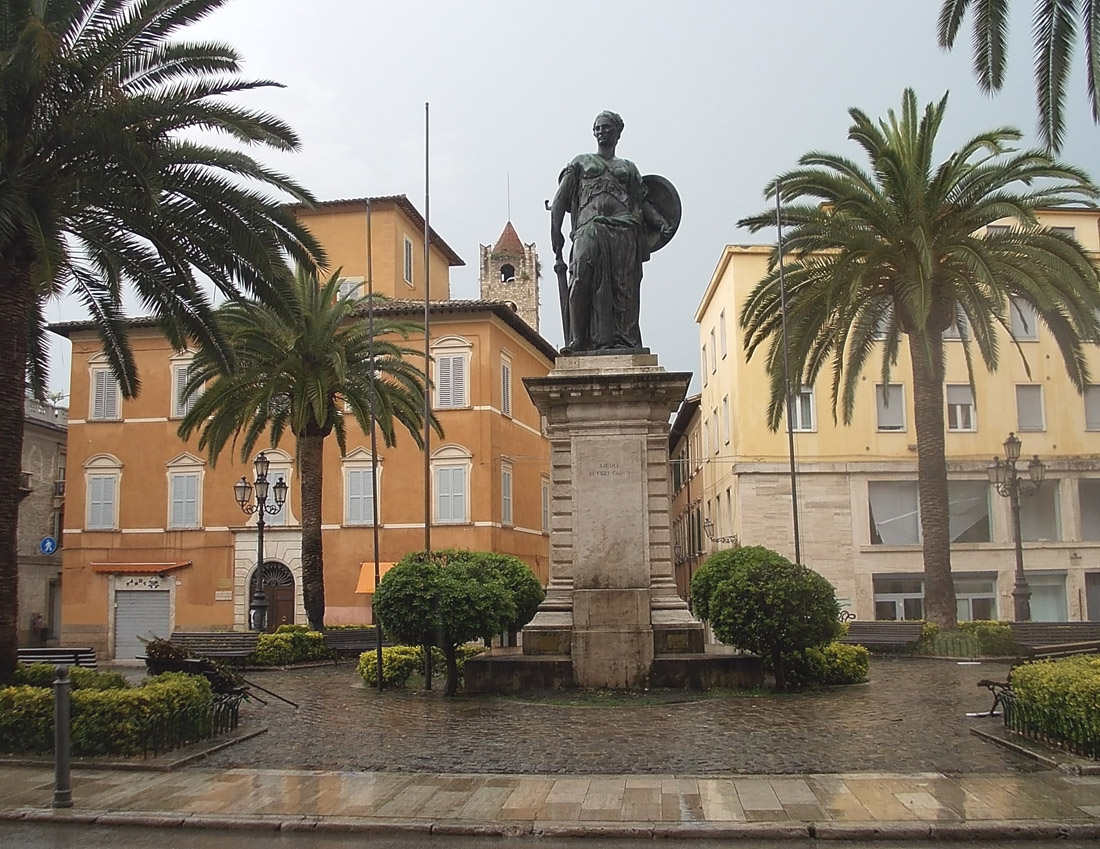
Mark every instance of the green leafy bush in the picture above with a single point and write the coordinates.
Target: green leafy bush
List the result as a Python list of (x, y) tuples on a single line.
[(832, 664), (44, 674), (290, 644), (114, 721), (995, 639), (1067, 691), (399, 663), (758, 600), (929, 631)]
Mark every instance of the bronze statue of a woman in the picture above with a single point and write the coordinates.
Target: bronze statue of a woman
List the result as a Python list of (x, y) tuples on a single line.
[(618, 218)]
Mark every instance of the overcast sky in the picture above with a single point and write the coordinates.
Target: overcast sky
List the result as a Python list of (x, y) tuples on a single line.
[(717, 96)]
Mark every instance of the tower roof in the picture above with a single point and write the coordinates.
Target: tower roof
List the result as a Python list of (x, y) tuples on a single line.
[(508, 244)]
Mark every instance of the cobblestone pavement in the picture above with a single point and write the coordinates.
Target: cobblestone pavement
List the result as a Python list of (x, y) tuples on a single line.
[(909, 718)]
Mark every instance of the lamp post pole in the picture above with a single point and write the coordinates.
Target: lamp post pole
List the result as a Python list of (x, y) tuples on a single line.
[(1008, 483), (242, 492)]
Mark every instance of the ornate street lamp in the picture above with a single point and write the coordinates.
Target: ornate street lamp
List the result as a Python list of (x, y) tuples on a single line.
[(242, 492), (708, 529), (1008, 483)]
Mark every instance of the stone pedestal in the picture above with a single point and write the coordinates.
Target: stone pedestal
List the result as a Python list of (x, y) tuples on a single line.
[(611, 603)]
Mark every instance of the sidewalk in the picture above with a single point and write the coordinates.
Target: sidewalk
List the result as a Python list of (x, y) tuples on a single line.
[(1041, 805)]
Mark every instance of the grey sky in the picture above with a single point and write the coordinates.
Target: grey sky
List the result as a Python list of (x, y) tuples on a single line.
[(717, 96)]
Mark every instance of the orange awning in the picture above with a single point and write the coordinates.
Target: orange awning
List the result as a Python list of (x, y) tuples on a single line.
[(142, 568), (366, 575)]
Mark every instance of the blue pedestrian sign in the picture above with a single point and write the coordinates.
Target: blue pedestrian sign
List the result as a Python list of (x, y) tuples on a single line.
[(48, 545)]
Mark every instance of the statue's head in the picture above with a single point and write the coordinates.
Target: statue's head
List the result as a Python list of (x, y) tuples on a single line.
[(609, 125)]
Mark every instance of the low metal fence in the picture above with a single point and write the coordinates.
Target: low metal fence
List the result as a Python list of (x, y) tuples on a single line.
[(183, 727), (1051, 727)]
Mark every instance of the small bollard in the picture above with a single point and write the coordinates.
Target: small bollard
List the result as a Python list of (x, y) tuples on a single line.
[(62, 789)]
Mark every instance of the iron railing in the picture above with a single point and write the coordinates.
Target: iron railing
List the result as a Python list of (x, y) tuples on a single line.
[(1051, 727), (183, 727)]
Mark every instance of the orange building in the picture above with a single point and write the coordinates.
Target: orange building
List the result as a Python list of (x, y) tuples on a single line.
[(154, 540)]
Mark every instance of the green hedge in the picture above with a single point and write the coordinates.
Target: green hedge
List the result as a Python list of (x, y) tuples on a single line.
[(44, 674), (831, 664), (290, 644), (1067, 690), (399, 663), (114, 721)]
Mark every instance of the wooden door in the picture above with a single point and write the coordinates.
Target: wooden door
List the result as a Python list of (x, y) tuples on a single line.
[(280, 606)]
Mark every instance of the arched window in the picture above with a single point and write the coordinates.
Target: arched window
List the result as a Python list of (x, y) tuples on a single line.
[(507, 273)]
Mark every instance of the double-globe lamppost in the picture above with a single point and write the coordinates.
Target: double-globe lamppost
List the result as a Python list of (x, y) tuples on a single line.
[(242, 491), (1008, 483)]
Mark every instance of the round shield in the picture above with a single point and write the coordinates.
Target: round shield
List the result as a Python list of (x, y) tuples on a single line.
[(666, 200)]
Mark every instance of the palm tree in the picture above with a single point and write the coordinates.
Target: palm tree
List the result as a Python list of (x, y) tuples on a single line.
[(897, 250), (1054, 30), (301, 363), (102, 188)]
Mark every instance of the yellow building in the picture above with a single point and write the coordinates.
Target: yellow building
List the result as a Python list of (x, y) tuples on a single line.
[(154, 540), (857, 485)]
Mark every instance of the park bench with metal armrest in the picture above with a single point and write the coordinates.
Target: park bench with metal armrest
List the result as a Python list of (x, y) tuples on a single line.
[(58, 655), (885, 637)]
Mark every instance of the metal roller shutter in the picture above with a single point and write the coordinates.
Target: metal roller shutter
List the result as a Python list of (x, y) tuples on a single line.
[(142, 613)]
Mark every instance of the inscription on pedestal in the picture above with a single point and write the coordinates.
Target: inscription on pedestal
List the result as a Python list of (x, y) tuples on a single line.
[(609, 513)]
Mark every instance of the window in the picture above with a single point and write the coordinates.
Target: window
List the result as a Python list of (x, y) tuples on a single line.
[(181, 404), (1039, 515), (506, 387), (975, 597), (898, 597), (890, 404), (706, 437), (713, 353), (103, 475), (882, 326), (359, 487), (451, 466), (802, 407), (704, 363), (507, 273), (545, 505), (184, 497), (968, 511), (960, 407), (714, 433), (1023, 321), (1089, 492), (1048, 596), (722, 332), (1092, 406), (408, 261), (280, 468), (452, 357), (958, 330), (894, 515), (106, 395), (726, 419), (351, 287), (506, 494), (1068, 232), (1029, 407)]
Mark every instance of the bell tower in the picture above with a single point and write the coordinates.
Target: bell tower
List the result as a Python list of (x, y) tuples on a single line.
[(510, 272)]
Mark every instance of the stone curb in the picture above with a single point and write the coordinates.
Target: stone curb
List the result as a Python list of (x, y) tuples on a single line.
[(1014, 830)]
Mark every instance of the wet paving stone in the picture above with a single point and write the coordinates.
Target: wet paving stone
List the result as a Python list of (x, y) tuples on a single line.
[(909, 718)]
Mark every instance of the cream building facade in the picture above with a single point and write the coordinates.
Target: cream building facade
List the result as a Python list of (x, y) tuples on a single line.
[(856, 485)]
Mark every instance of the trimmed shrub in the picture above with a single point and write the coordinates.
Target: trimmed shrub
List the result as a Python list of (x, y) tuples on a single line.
[(842, 663), (994, 638), (290, 644), (1067, 690), (44, 674), (758, 600), (399, 663), (111, 721), (929, 631)]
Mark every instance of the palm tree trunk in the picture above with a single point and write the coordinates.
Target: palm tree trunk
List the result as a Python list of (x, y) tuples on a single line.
[(928, 377), (16, 303), (311, 462)]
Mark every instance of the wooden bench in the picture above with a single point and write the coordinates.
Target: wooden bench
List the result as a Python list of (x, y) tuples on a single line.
[(59, 656), (345, 642), (883, 636), (1037, 634), (218, 645)]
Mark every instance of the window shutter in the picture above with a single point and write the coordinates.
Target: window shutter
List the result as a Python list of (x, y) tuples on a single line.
[(104, 395), (890, 403), (1092, 407), (443, 382), (1029, 407), (506, 389), (101, 501), (360, 497), (451, 494), (545, 506), (506, 495)]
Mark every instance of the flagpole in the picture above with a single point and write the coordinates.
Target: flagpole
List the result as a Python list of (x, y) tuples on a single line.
[(373, 446), (427, 348), (787, 377)]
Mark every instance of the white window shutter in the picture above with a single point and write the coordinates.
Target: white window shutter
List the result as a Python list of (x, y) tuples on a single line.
[(443, 382), (506, 389), (458, 373)]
